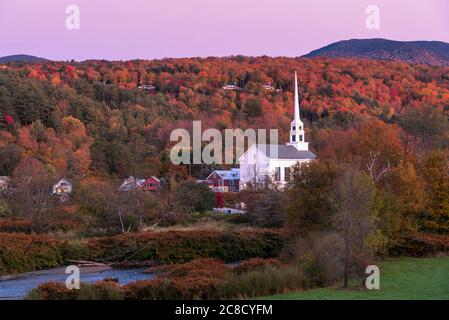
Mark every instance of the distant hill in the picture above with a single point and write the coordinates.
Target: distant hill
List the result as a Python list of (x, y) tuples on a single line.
[(21, 58), (422, 52)]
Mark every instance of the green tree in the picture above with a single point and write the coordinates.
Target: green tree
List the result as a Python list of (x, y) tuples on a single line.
[(309, 206), (194, 197), (436, 177), (353, 198)]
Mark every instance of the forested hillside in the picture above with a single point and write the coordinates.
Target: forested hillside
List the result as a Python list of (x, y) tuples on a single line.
[(91, 118), (380, 131)]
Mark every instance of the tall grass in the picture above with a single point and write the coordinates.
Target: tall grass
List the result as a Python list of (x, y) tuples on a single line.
[(271, 280)]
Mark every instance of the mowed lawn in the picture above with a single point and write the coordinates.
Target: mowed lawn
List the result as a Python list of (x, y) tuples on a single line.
[(402, 278)]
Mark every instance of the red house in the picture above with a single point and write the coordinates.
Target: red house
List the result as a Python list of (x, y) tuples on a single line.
[(225, 180), (151, 184)]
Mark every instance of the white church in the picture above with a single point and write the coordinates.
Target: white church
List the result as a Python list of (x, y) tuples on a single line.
[(261, 162)]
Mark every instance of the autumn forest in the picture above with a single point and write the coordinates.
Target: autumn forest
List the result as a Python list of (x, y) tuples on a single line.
[(380, 131)]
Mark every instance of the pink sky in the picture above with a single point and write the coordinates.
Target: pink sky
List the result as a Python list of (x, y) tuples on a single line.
[(113, 29)]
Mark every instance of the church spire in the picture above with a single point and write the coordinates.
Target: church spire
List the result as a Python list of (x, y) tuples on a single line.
[(297, 135), (297, 116)]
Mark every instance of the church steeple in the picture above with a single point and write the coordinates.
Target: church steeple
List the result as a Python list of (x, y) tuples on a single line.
[(297, 115), (297, 135)]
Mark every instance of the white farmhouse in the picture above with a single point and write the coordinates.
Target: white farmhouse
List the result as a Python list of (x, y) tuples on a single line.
[(261, 162)]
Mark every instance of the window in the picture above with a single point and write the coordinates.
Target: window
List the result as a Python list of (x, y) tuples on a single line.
[(293, 128), (300, 137), (286, 173), (277, 173), (300, 127), (293, 138)]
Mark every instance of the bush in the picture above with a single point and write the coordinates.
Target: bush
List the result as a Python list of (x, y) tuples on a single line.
[(177, 246), (22, 252), (101, 290), (269, 281), (194, 197), (15, 225), (74, 250), (51, 291), (64, 219), (420, 245), (212, 279), (197, 279), (158, 288), (321, 254), (255, 264)]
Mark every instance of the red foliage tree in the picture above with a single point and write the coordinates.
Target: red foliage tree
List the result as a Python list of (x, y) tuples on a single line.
[(9, 120), (219, 201)]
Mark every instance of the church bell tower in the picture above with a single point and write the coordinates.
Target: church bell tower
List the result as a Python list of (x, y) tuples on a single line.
[(297, 135)]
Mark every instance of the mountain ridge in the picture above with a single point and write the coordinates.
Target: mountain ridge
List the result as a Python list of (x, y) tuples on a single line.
[(434, 53), (21, 58)]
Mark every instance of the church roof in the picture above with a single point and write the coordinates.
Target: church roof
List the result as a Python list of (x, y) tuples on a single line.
[(285, 152)]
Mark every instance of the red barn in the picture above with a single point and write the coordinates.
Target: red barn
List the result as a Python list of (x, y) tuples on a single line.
[(151, 184), (225, 180)]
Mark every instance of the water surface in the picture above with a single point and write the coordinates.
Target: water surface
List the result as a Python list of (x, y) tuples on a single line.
[(17, 286)]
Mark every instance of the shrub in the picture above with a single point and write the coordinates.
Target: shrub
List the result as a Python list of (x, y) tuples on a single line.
[(15, 225), (420, 245), (197, 279), (255, 264), (22, 252), (179, 246), (269, 281), (101, 290), (321, 254), (74, 250), (230, 198), (194, 197), (64, 219), (158, 288), (51, 291)]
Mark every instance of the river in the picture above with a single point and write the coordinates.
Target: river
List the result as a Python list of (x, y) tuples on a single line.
[(17, 286)]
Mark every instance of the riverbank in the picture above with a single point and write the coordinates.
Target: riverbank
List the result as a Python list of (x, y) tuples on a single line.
[(16, 286), (24, 252)]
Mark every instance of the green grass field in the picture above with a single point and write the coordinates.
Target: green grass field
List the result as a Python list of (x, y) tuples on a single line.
[(402, 278)]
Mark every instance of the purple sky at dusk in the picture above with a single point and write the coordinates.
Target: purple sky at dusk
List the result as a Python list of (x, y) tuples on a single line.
[(121, 30)]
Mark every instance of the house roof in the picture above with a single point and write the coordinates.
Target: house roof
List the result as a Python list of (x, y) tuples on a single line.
[(153, 178), (285, 152), (233, 174), (4, 181), (131, 183), (62, 187), (62, 181)]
